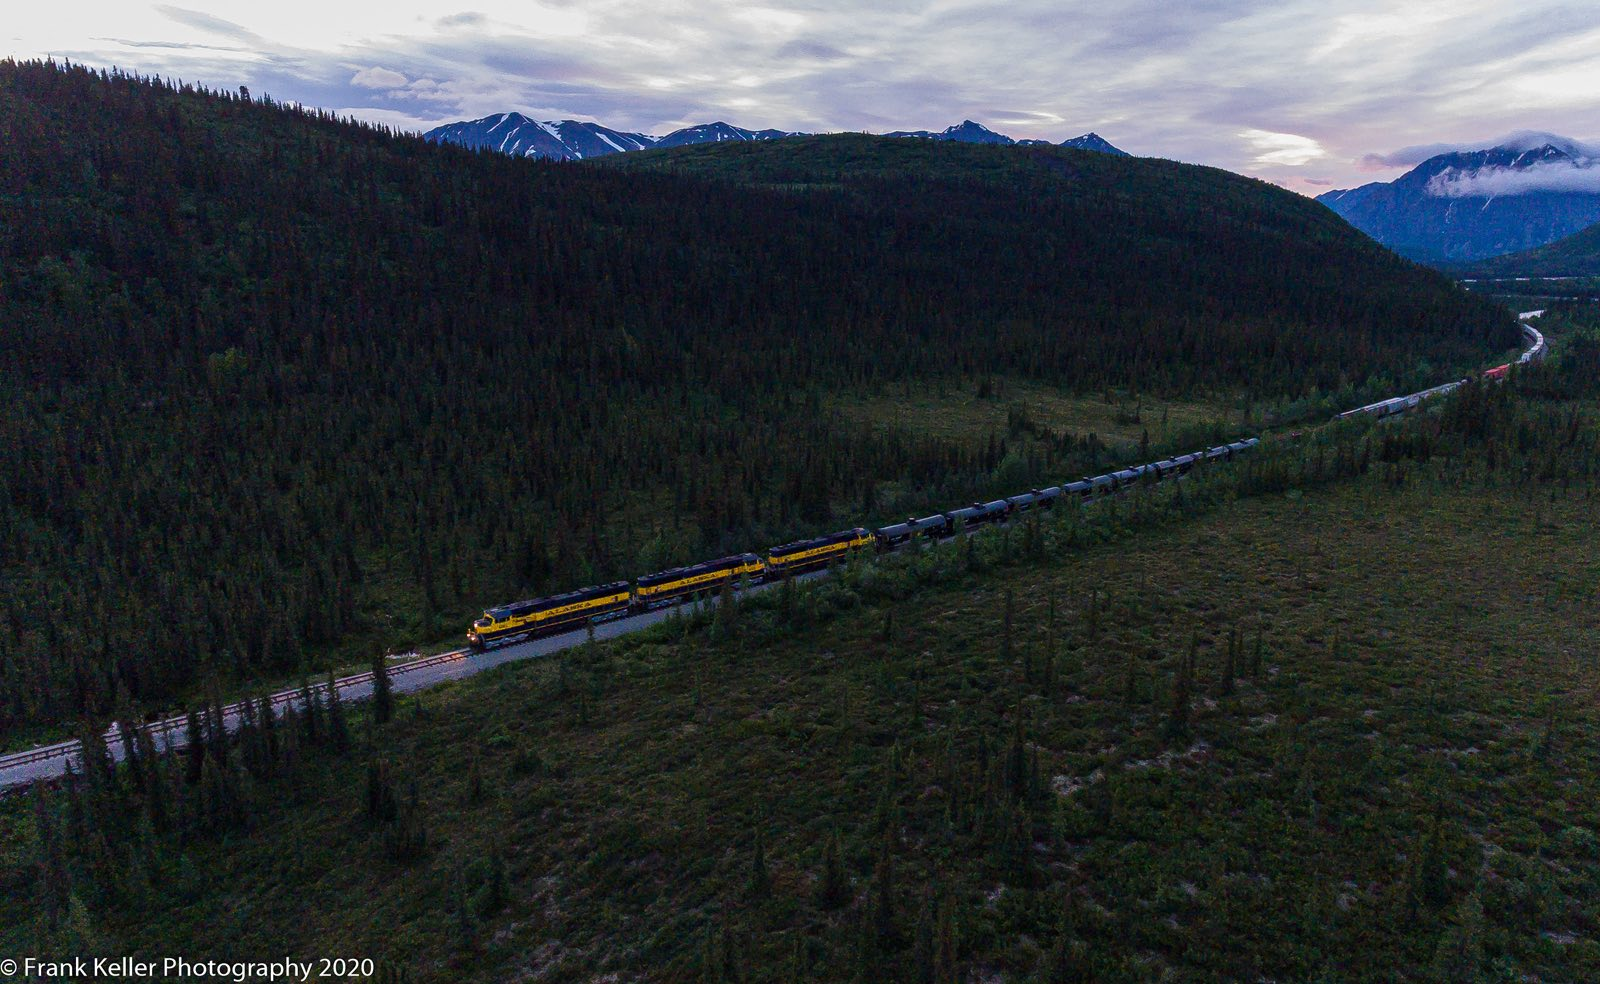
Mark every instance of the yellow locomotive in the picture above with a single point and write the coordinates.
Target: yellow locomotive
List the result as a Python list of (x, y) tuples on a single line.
[(559, 613), (807, 555), (553, 614), (679, 582)]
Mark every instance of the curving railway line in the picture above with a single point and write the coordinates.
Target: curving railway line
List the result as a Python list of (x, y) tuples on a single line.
[(20, 770)]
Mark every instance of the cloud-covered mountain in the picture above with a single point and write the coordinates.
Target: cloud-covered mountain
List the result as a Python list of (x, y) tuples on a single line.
[(571, 140), (1466, 204)]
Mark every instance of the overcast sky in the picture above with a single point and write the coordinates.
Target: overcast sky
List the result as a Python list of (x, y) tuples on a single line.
[(1307, 93)]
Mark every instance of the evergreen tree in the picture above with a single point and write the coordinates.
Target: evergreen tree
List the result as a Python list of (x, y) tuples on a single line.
[(492, 897), (98, 768), (1432, 878), (55, 887), (833, 890), (194, 748), (796, 972), (338, 727), (1177, 726), (382, 698), (380, 801), (311, 712), (405, 838), (267, 716), (1230, 664), (710, 956), (1006, 625), (883, 896), (216, 725), (466, 923), (922, 943), (727, 619), (1051, 645), (759, 885), (158, 794), (1016, 766), (128, 736), (1068, 960), (946, 942), (476, 792), (1460, 955)]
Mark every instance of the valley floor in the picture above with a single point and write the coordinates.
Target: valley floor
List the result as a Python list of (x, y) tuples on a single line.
[(1403, 785)]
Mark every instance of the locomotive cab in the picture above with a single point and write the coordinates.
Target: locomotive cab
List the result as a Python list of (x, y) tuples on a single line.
[(479, 627)]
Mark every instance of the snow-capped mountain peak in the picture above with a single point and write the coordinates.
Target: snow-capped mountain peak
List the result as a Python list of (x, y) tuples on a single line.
[(516, 134), (567, 140), (969, 132), (1095, 142)]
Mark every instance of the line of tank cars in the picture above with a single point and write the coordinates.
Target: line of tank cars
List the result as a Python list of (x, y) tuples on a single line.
[(1535, 352), (565, 612)]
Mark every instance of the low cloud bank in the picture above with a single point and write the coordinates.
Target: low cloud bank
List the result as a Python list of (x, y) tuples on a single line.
[(1580, 176)]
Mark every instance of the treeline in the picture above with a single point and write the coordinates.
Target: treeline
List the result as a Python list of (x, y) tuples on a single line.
[(279, 381), (117, 834)]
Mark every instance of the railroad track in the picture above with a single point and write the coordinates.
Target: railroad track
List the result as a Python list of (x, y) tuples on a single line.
[(171, 732), (163, 733)]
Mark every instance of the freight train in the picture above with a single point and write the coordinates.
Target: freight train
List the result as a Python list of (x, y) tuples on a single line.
[(564, 612), (575, 609), (1535, 352)]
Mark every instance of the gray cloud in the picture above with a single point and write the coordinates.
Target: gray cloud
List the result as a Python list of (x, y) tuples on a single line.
[(176, 45), (1518, 140), (467, 18), (1286, 91), (202, 21), (809, 48), (1410, 156), (378, 78)]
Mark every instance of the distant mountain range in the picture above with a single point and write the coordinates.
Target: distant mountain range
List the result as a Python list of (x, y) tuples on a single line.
[(572, 140), (1465, 205)]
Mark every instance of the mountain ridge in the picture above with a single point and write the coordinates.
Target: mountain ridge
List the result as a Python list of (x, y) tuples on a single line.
[(1577, 255), (569, 140)]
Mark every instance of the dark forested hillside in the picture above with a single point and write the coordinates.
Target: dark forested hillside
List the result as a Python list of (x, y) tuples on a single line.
[(1577, 255), (275, 380)]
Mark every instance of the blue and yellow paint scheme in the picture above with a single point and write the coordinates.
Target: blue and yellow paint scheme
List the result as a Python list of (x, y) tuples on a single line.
[(552, 614), (804, 555), (653, 589)]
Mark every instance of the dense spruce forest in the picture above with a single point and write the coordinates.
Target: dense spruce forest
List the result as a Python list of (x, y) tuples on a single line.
[(1577, 255), (276, 381), (1324, 714)]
